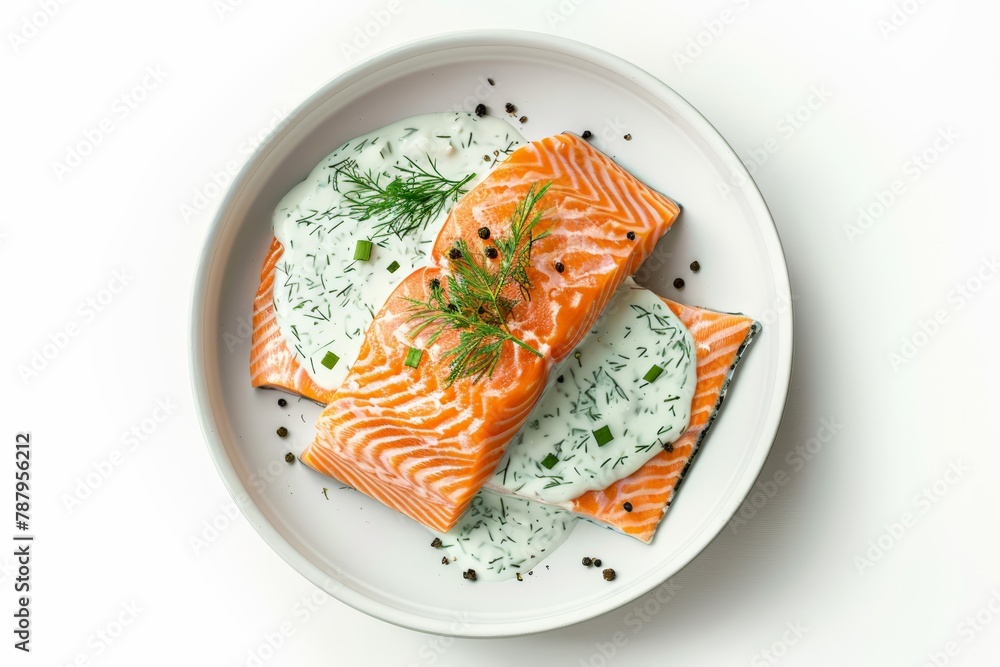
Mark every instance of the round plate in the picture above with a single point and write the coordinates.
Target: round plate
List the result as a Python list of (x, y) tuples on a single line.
[(375, 559)]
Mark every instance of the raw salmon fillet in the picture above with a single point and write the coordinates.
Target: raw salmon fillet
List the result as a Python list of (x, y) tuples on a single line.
[(272, 362), (403, 435), (721, 340)]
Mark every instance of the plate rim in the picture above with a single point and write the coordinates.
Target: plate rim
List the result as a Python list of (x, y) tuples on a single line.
[(197, 340)]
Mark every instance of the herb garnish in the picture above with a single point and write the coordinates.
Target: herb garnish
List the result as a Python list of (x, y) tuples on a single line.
[(406, 203), (603, 436), (473, 302), (330, 360), (413, 356)]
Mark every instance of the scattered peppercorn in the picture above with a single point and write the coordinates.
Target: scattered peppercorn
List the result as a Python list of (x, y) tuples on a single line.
[(587, 561), (490, 82), (597, 562), (559, 267), (444, 560), (435, 283), (627, 507), (679, 283), (282, 431), (587, 134), (452, 307), (628, 137), (469, 574), (669, 447), (282, 402), (560, 378), (289, 458), (630, 236), (609, 574), (523, 119), (480, 110), (484, 233), (510, 107), (436, 543), (491, 252), (455, 253), (695, 266)]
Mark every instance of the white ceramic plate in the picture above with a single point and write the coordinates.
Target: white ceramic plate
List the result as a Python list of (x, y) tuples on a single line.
[(377, 560)]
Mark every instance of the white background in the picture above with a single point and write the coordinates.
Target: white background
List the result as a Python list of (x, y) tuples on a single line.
[(825, 551)]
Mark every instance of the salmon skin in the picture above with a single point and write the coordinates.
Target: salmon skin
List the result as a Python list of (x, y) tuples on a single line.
[(272, 362), (407, 437), (720, 340)]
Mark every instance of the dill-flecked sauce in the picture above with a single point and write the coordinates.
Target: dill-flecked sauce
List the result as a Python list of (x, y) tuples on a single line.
[(623, 395), (499, 536), (324, 299)]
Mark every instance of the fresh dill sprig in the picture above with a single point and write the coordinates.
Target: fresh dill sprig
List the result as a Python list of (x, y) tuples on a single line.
[(473, 302), (406, 203)]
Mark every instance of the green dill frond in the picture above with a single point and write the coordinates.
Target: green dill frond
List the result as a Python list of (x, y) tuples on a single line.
[(403, 205), (473, 302)]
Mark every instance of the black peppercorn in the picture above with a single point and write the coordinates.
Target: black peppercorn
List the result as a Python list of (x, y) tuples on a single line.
[(455, 253), (435, 283), (609, 574), (587, 134), (491, 252), (695, 266), (444, 560), (627, 507), (628, 137), (469, 574), (484, 233), (587, 561), (436, 543), (480, 110), (289, 458), (559, 267), (630, 236), (560, 378), (282, 402), (510, 107), (679, 283), (669, 447), (452, 307), (282, 431), (490, 81), (597, 562)]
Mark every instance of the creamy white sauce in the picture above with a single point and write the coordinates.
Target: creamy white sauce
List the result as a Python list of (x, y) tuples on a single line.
[(324, 299), (600, 392), (500, 537)]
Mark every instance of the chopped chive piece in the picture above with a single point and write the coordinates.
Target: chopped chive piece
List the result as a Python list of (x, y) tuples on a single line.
[(392, 267), (549, 461), (363, 250), (653, 373), (413, 357), (603, 436), (330, 360)]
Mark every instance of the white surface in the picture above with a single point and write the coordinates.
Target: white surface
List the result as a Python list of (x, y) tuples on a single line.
[(793, 560), (374, 559)]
